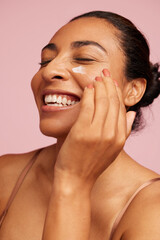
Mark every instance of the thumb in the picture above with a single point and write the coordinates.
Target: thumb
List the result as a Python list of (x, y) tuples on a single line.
[(130, 119)]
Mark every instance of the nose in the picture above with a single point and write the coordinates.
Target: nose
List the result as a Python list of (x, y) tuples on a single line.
[(55, 70)]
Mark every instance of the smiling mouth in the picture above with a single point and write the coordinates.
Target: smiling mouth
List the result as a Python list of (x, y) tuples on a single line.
[(60, 100)]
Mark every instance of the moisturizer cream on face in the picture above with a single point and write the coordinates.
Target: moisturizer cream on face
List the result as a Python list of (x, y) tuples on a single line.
[(79, 69)]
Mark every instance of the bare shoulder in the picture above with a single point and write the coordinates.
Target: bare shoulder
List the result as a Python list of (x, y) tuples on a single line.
[(11, 166), (142, 218), (13, 161)]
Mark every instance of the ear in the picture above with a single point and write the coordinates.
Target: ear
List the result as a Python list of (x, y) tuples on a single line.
[(134, 91)]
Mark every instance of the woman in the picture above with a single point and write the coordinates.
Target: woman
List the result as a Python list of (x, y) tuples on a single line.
[(95, 76)]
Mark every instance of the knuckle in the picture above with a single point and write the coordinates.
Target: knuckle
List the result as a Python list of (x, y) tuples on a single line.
[(110, 138), (97, 137), (94, 137)]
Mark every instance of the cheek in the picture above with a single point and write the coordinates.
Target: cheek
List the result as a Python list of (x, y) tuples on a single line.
[(117, 70), (79, 69), (86, 74)]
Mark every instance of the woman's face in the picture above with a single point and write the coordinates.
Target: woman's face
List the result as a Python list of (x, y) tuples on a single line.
[(75, 55)]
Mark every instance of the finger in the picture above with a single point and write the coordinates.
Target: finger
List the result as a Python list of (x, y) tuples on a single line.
[(101, 103), (111, 123), (87, 106)]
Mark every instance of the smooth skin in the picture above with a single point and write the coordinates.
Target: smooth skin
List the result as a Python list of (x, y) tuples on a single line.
[(77, 187)]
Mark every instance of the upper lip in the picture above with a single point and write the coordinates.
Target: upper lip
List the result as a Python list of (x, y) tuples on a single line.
[(59, 91)]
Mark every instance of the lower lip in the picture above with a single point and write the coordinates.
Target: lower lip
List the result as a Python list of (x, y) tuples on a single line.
[(46, 108)]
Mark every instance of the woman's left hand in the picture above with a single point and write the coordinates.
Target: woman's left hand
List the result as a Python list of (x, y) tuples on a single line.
[(98, 135)]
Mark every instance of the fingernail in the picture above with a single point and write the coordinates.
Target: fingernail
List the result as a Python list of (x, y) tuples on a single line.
[(98, 79), (106, 72), (115, 82), (90, 85)]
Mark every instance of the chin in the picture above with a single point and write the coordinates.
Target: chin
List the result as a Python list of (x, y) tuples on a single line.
[(58, 124), (55, 129)]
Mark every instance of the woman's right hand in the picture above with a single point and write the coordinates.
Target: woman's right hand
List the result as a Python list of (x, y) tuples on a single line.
[(98, 135)]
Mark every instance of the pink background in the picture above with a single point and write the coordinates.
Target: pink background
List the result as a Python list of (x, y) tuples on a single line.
[(26, 26)]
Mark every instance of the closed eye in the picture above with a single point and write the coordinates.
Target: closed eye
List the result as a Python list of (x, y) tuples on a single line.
[(43, 63), (84, 59)]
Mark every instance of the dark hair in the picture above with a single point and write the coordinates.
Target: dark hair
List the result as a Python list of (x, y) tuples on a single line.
[(136, 51)]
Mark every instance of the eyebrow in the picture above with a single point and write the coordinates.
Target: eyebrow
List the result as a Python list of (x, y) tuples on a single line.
[(76, 44), (50, 46)]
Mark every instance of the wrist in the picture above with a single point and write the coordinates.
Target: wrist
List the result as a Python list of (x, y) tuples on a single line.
[(68, 184)]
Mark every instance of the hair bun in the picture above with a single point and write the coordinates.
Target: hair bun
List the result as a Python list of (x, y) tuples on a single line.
[(153, 88), (155, 72)]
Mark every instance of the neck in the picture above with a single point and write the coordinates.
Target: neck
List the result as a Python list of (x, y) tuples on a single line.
[(59, 144)]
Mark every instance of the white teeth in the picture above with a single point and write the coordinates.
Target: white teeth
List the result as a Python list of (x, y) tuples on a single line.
[(55, 100), (64, 100), (55, 104), (50, 104), (48, 98), (59, 99), (69, 102)]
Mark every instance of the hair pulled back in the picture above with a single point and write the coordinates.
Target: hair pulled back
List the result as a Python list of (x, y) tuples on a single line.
[(136, 51)]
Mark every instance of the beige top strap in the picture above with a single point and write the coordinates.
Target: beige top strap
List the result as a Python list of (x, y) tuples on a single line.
[(121, 214), (18, 184)]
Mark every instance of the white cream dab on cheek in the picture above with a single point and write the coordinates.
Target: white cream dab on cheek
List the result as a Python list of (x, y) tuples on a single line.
[(79, 69)]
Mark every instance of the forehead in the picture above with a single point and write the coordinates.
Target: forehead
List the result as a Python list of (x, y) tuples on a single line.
[(92, 29)]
